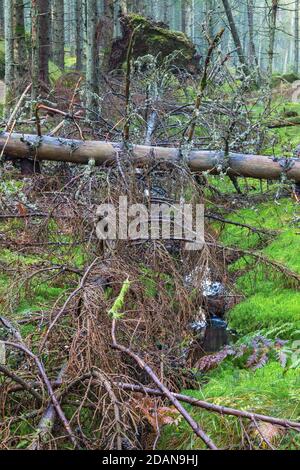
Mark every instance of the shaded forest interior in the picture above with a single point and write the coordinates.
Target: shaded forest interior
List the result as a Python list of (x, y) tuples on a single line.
[(153, 341)]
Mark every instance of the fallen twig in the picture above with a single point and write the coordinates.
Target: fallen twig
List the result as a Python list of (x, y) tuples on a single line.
[(223, 410)]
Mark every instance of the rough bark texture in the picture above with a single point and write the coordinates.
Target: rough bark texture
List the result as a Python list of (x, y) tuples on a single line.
[(252, 52), (187, 17), (79, 34), (152, 38), (106, 34), (19, 38), (92, 59), (9, 52), (272, 33), (296, 47), (35, 55), (235, 35), (81, 152), (58, 33), (1, 18), (44, 39)]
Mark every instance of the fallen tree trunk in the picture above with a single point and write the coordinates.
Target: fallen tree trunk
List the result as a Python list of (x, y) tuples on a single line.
[(19, 146)]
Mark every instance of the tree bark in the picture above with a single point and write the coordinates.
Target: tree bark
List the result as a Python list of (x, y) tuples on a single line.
[(44, 39), (19, 39), (35, 49), (187, 17), (79, 34), (296, 47), (81, 152), (250, 14), (1, 18), (107, 34), (92, 59), (58, 33), (272, 33), (235, 36), (9, 53)]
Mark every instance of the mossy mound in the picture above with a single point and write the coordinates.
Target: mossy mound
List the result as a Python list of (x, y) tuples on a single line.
[(285, 78), (152, 38)]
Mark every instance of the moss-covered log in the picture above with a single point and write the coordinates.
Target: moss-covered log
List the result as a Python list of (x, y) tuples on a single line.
[(18, 146), (152, 38)]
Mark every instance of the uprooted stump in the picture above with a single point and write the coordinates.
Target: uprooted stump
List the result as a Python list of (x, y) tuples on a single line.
[(152, 38)]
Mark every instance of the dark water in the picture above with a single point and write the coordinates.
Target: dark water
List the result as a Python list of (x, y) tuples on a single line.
[(216, 336)]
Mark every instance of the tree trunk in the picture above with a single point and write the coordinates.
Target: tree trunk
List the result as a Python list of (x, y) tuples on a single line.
[(187, 17), (19, 38), (296, 47), (9, 54), (35, 49), (107, 34), (79, 34), (272, 33), (21, 146), (92, 60), (235, 36), (44, 39), (123, 7), (1, 18), (252, 52), (58, 33)]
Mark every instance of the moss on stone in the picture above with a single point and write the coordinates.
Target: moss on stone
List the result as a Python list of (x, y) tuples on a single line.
[(152, 38)]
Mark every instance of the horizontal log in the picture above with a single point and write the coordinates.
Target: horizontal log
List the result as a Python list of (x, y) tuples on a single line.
[(18, 146)]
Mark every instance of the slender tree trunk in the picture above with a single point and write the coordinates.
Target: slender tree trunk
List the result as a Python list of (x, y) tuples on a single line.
[(19, 41), (1, 18), (235, 36), (209, 9), (252, 52), (58, 33), (79, 35), (107, 33), (272, 33), (44, 39), (123, 7), (296, 47), (187, 17), (35, 49), (92, 60), (9, 53)]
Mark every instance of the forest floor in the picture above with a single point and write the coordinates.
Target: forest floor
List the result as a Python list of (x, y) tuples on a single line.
[(261, 380), (261, 375)]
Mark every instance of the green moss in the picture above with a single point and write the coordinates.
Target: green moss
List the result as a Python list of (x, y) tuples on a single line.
[(270, 301), (270, 390), (270, 308), (153, 38)]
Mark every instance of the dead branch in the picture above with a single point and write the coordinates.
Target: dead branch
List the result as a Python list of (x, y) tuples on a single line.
[(47, 382), (165, 391), (223, 410), (22, 383)]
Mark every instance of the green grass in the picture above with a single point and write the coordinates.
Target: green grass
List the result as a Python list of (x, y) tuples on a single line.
[(272, 308), (270, 300), (270, 390)]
